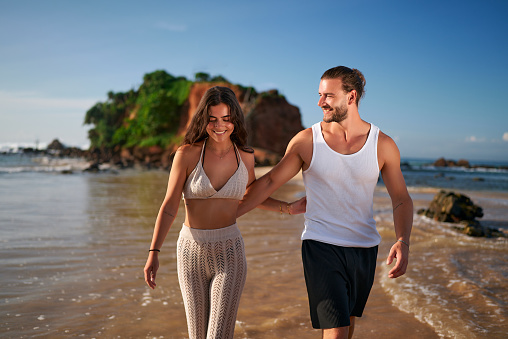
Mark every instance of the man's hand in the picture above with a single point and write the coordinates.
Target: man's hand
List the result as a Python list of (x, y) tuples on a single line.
[(400, 252)]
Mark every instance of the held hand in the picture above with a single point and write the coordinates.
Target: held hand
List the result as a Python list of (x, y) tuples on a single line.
[(400, 252), (299, 206), (151, 267)]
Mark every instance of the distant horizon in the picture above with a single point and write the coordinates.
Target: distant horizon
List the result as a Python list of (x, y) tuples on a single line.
[(5, 146)]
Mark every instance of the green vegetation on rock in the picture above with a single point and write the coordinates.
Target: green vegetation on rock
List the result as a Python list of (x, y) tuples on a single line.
[(157, 112), (148, 116)]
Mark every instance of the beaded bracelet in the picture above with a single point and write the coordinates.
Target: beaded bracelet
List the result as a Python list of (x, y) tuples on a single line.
[(402, 241)]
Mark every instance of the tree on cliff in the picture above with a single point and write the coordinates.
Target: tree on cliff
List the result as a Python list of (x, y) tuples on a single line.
[(146, 117), (108, 116), (157, 112)]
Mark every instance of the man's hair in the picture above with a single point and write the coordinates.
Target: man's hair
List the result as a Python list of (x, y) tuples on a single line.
[(352, 79)]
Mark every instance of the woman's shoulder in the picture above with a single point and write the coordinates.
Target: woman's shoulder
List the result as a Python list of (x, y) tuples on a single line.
[(247, 155), (189, 153), (190, 148)]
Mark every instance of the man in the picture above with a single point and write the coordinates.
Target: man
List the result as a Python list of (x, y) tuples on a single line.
[(341, 158)]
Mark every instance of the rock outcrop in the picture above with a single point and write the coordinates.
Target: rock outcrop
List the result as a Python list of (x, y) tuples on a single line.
[(458, 208), (272, 122), (56, 148), (452, 207), (442, 162)]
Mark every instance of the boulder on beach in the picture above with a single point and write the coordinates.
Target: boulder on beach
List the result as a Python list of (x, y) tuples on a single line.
[(452, 207), (442, 162), (458, 208)]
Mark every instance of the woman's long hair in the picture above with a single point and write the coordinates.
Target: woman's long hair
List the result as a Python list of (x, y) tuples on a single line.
[(214, 96)]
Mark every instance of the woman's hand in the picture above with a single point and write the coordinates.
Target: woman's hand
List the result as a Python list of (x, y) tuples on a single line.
[(299, 206), (151, 267)]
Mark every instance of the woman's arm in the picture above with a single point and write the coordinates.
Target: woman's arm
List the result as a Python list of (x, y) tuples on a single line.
[(167, 214)]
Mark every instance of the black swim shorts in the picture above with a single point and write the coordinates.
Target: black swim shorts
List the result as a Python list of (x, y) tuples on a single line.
[(339, 280)]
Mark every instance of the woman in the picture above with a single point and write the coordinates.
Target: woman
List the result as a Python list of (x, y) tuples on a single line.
[(212, 169)]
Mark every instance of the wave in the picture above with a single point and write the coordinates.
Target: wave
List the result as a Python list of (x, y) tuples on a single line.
[(480, 169), (18, 163), (454, 283)]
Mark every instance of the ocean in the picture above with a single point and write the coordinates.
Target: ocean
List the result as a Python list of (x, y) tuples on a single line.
[(73, 245)]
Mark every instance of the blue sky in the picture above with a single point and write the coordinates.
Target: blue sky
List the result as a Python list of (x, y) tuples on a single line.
[(436, 70)]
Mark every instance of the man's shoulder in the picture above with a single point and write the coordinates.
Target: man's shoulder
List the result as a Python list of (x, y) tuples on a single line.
[(384, 140), (304, 135), (302, 141), (387, 150)]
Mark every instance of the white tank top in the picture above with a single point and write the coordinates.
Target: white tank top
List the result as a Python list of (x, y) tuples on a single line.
[(340, 193)]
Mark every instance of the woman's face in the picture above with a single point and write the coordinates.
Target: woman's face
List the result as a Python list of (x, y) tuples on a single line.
[(219, 126)]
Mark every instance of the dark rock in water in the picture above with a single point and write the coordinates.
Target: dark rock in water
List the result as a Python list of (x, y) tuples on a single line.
[(463, 163), (475, 229), (405, 166), (56, 145), (458, 208), (453, 207), (94, 168), (442, 162)]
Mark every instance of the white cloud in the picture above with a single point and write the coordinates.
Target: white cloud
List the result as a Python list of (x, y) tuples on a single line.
[(171, 27), (474, 138), (505, 136)]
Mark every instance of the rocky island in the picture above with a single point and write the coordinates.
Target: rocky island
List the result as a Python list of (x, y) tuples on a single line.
[(144, 127)]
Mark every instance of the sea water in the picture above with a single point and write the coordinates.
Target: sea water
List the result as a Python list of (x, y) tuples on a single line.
[(73, 245)]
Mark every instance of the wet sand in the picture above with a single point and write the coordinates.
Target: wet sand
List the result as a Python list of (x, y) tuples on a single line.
[(78, 271)]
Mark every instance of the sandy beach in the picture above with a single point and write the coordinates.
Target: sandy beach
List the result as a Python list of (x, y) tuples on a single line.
[(75, 270)]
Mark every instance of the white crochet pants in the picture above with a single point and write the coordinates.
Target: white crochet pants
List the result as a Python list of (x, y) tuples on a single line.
[(211, 270)]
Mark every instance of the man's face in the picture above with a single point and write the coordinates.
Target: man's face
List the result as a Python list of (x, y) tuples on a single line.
[(332, 100)]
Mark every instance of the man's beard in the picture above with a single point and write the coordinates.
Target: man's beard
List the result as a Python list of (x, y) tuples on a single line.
[(338, 114)]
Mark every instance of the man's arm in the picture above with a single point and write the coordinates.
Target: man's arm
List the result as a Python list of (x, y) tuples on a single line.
[(401, 202), (286, 169), (270, 204)]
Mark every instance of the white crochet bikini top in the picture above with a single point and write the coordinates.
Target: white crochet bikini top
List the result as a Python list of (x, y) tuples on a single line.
[(198, 186)]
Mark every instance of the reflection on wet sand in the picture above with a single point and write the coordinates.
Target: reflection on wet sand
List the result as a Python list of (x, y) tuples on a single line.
[(84, 278)]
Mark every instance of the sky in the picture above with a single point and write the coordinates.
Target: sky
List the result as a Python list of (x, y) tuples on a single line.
[(436, 71)]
